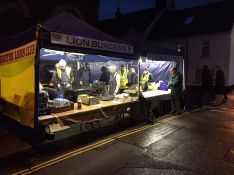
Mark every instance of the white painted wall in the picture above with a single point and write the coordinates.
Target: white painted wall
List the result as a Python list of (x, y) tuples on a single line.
[(219, 54), (231, 64)]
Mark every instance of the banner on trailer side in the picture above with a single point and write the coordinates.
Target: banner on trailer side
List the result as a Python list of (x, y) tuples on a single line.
[(17, 83)]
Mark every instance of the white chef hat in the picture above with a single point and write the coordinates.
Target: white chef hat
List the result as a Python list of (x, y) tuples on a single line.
[(62, 64)]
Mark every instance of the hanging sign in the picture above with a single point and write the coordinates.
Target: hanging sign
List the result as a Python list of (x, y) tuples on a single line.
[(64, 39)]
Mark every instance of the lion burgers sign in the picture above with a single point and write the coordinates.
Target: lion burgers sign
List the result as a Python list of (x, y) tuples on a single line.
[(64, 39)]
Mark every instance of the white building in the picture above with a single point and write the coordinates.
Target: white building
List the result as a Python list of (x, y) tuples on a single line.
[(205, 35)]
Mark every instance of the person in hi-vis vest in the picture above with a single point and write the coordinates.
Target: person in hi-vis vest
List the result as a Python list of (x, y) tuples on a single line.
[(147, 81), (123, 72), (63, 76)]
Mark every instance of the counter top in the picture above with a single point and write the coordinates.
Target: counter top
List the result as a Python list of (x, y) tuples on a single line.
[(89, 108), (155, 93)]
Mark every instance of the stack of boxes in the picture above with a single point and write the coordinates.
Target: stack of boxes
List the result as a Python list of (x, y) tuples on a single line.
[(43, 103)]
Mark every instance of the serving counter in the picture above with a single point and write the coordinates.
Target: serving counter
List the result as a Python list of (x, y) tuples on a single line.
[(156, 97), (89, 113), (157, 101)]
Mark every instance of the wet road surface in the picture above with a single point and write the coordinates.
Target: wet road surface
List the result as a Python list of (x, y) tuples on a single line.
[(196, 143)]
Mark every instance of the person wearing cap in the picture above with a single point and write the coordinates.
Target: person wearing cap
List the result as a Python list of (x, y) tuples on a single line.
[(63, 76), (147, 81), (176, 84), (123, 72), (114, 82), (83, 77)]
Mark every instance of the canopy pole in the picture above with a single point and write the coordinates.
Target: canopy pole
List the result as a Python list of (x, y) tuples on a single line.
[(36, 67), (139, 68)]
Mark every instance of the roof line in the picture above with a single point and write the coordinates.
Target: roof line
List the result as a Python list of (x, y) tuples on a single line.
[(155, 20)]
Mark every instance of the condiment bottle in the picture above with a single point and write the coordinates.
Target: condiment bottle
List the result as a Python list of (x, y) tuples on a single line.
[(79, 103)]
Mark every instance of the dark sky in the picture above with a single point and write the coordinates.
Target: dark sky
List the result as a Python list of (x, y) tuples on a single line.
[(108, 7)]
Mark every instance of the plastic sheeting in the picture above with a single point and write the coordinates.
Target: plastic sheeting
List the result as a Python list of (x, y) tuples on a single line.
[(96, 67), (55, 55), (95, 61), (159, 69)]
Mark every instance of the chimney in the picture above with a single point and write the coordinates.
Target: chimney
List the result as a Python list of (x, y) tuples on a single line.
[(118, 13), (165, 4), (160, 4)]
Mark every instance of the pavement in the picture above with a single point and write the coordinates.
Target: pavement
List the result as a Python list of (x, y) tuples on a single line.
[(12, 148), (199, 142)]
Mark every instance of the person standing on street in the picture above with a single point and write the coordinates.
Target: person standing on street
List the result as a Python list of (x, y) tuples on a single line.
[(206, 82), (176, 85), (220, 82)]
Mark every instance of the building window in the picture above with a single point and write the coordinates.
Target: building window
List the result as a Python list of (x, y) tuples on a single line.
[(180, 48), (205, 49), (188, 20)]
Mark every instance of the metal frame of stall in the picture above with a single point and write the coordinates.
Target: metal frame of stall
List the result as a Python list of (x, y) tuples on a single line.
[(44, 33), (46, 37)]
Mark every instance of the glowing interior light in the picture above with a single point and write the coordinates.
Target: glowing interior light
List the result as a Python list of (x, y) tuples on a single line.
[(75, 54), (52, 52), (140, 60)]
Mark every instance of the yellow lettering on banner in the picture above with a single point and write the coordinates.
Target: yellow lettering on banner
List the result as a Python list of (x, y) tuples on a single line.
[(19, 53)]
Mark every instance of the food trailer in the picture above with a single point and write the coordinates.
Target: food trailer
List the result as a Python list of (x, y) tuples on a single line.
[(31, 59)]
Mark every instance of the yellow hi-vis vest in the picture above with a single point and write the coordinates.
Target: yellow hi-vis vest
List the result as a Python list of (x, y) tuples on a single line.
[(123, 79), (144, 79), (59, 73)]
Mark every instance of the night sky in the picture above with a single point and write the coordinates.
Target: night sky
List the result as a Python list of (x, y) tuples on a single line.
[(108, 7)]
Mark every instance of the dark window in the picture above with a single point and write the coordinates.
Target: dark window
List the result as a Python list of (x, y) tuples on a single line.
[(188, 20), (205, 49)]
